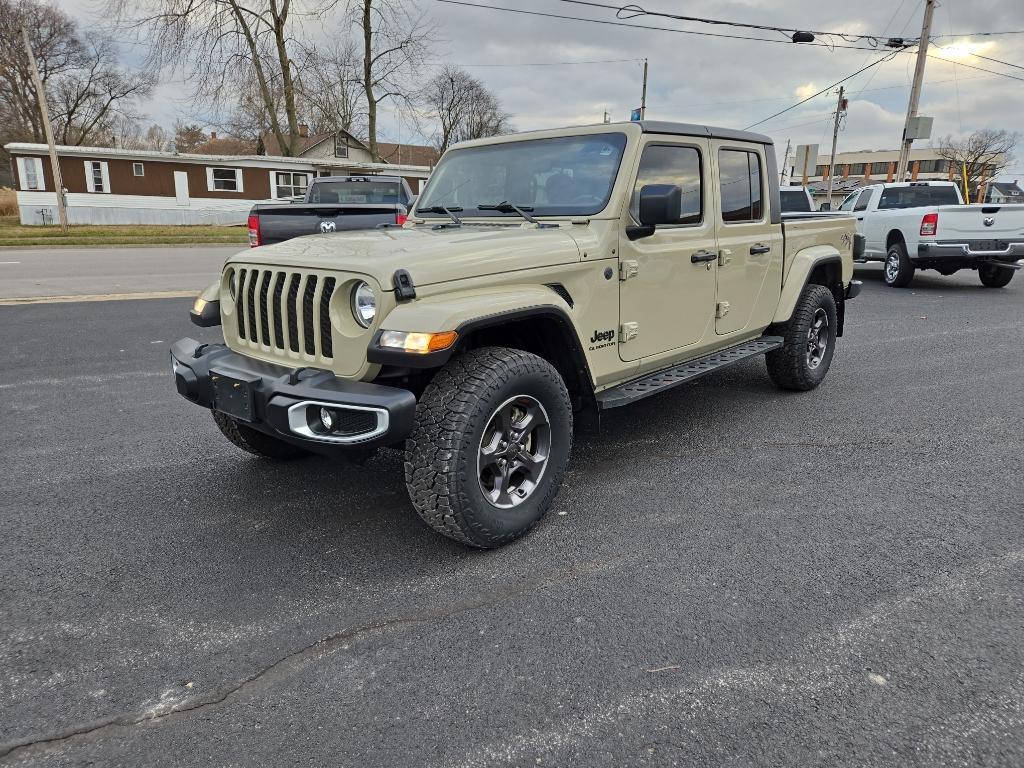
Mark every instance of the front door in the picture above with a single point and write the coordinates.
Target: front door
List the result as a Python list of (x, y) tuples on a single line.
[(667, 282), (750, 246), (181, 188)]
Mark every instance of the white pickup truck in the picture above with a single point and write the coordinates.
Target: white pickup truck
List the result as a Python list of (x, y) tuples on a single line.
[(925, 225)]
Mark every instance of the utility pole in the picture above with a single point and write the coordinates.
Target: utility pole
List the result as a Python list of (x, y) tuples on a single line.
[(643, 95), (785, 164), (840, 110), (915, 89), (44, 113)]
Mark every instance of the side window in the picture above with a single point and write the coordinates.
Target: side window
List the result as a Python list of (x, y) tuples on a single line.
[(849, 202), (739, 175), (664, 164), (864, 201)]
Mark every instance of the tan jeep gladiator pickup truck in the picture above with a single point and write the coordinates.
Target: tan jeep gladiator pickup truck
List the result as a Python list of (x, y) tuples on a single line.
[(541, 277)]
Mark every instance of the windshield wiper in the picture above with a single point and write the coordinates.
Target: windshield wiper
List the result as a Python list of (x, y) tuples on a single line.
[(448, 211), (506, 207)]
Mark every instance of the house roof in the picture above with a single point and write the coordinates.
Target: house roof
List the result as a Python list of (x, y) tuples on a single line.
[(400, 154), (257, 161), (1007, 188)]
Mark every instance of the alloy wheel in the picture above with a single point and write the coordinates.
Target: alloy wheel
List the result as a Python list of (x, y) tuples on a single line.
[(514, 451), (817, 338)]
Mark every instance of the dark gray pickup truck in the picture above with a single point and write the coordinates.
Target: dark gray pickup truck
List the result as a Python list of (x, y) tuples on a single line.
[(333, 204)]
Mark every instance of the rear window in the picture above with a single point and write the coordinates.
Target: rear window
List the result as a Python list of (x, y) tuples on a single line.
[(356, 192), (917, 197), (795, 201)]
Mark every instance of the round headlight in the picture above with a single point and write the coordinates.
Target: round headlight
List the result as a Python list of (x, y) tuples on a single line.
[(364, 304)]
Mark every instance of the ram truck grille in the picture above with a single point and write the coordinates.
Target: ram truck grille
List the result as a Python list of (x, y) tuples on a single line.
[(285, 312)]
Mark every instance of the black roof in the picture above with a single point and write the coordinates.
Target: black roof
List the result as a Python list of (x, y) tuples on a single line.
[(689, 129), (1007, 187)]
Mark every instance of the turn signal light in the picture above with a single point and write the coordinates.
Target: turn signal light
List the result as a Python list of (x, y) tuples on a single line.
[(418, 343), (930, 223), (255, 236)]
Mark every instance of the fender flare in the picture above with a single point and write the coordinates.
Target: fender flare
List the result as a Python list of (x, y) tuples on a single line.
[(460, 312), (799, 274)]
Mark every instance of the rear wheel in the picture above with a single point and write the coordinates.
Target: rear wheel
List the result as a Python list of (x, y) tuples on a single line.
[(899, 270), (993, 276), (255, 442), (809, 339), (490, 446)]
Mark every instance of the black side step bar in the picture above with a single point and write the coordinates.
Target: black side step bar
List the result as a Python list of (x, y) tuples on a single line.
[(667, 378)]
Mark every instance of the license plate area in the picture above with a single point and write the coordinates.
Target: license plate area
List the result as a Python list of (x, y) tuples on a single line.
[(987, 246), (234, 394)]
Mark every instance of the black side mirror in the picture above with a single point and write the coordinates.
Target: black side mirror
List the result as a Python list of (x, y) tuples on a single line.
[(659, 204)]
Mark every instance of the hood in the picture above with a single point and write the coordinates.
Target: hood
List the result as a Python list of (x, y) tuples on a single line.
[(430, 256)]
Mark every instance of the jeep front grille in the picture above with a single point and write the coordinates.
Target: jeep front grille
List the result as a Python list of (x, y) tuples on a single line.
[(285, 311)]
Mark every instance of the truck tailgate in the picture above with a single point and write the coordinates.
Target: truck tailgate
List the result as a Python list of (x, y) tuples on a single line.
[(283, 222), (965, 223)]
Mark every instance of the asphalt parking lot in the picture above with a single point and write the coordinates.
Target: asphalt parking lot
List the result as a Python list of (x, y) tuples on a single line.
[(731, 574)]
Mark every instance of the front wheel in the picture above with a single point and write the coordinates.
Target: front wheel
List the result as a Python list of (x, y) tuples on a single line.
[(993, 276), (809, 339), (899, 269), (490, 446)]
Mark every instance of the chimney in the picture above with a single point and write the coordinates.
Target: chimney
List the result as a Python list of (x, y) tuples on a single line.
[(303, 130), (213, 135)]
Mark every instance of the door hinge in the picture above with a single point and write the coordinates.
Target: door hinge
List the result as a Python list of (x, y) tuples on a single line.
[(722, 309), (628, 331), (724, 257), (628, 269)]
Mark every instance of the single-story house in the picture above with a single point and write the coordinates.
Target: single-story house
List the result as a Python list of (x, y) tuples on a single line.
[(341, 144), (119, 186)]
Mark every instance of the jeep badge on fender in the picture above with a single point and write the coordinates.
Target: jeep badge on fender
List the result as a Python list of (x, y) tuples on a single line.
[(469, 337)]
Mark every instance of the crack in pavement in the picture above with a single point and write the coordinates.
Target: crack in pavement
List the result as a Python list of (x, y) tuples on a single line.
[(288, 664)]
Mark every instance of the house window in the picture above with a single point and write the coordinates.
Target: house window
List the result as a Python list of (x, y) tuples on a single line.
[(30, 173), (138, 169), (289, 183), (97, 178), (224, 179), (340, 145), (879, 168)]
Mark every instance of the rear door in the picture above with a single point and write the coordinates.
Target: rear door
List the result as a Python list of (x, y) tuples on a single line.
[(666, 297), (750, 245)]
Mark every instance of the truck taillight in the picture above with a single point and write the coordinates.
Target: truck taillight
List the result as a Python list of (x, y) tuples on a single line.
[(929, 224), (254, 231), (400, 218)]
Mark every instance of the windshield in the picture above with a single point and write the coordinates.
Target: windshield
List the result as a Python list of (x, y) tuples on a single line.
[(849, 202), (564, 176), (794, 201), (356, 192), (918, 197)]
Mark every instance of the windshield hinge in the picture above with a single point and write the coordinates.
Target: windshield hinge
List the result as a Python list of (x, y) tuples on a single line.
[(628, 269), (404, 289)]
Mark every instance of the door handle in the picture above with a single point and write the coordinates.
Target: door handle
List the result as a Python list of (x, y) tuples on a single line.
[(700, 256), (757, 250)]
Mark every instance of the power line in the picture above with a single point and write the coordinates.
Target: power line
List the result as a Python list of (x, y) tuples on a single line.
[(882, 60), (633, 11), (609, 22), (971, 66), (996, 61), (552, 63)]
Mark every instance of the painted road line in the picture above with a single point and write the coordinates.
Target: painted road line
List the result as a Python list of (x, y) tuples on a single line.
[(100, 297), (10, 262)]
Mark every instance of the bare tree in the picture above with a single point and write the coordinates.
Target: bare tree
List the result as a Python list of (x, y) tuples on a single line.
[(462, 108), (87, 90), (395, 41), (331, 91), (984, 153), (222, 44)]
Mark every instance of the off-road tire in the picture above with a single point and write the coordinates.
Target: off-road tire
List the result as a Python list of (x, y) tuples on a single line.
[(255, 442), (788, 366), (441, 456), (992, 276), (898, 269)]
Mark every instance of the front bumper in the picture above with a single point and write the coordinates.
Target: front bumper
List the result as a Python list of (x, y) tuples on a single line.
[(970, 254), (285, 402)]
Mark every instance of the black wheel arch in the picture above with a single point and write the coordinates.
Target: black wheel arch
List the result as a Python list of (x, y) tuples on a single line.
[(828, 272), (544, 330)]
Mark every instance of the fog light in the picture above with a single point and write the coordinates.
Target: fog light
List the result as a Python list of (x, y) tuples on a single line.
[(327, 419)]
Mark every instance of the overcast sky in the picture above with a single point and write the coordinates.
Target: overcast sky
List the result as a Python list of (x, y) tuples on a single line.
[(718, 81)]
